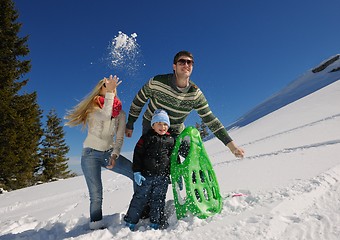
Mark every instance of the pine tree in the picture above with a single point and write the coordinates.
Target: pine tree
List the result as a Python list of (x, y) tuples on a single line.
[(20, 127), (54, 149), (203, 129)]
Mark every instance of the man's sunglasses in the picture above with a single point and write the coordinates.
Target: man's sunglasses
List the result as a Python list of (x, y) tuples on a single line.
[(185, 61)]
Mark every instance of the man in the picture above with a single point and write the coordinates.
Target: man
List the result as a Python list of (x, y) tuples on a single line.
[(178, 96)]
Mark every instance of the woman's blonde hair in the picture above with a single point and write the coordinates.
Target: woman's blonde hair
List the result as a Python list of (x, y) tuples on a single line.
[(78, 115)]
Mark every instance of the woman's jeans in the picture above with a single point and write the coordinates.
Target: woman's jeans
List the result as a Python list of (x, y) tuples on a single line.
[(91, 163)]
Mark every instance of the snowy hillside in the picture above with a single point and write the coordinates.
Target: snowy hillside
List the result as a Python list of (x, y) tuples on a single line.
[(325, 73), (290, 175)]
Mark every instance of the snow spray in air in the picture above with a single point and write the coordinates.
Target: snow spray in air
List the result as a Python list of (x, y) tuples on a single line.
[(124, 53)]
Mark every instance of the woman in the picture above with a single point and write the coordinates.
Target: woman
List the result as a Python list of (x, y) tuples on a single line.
[(102, 112)]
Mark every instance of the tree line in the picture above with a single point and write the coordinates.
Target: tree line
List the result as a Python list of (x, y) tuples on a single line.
[(203, 129), (30, 152)]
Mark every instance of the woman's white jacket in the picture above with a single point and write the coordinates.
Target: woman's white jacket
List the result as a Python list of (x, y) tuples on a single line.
[(105, 132)]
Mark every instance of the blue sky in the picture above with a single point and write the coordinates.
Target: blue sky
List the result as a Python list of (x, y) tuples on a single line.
[(244, 51)]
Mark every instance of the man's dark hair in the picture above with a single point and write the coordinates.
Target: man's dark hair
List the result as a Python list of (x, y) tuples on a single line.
[(183, 53)]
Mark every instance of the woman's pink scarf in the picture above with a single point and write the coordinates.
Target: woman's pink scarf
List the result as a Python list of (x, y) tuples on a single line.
[(116, 108)]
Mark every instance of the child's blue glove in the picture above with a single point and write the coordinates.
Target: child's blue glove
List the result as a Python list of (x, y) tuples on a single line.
[(138, 178)]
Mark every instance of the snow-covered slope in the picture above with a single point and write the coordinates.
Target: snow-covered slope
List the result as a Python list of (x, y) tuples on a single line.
[(290, 175), (314, 79)]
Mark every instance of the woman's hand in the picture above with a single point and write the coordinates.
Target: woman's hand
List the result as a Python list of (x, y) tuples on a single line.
[(112, 161), (112, 83)]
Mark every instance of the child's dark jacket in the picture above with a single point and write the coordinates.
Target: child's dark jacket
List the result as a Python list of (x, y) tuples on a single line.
[(152, 154)]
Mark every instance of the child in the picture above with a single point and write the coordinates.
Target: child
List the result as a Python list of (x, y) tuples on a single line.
[(151, 167)]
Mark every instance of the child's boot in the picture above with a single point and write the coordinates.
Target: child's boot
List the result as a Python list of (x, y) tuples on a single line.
[(132, 226), (154, 226)]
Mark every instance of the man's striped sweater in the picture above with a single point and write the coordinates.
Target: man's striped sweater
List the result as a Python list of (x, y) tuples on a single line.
[(162, 93)]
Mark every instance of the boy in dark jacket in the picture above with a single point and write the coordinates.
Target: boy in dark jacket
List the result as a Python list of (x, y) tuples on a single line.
[(151, 167)]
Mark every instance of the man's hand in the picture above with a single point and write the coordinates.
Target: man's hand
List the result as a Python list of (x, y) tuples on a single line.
[(128, 133), (237, 151)]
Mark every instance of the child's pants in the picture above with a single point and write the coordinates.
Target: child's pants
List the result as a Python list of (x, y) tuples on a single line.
[(153, 191)]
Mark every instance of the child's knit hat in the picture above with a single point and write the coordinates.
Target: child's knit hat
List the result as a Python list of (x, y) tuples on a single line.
[(160, 116)]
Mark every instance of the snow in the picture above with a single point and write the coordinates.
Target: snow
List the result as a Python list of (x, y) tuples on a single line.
[(124, 52), (290, 177)]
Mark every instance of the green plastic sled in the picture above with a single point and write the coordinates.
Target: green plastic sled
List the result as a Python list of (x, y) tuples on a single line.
[(200, 194)]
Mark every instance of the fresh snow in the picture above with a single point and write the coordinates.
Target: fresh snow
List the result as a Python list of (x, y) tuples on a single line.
[(290, 177)]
